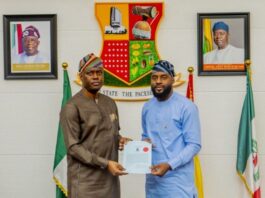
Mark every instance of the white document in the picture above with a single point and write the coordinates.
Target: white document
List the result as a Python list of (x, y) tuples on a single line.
[(137, 157)]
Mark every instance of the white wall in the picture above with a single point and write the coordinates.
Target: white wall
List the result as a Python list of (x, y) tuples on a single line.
[(29, 108)]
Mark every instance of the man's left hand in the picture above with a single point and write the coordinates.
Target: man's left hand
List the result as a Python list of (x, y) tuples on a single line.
[(160, 169), (123, 141)]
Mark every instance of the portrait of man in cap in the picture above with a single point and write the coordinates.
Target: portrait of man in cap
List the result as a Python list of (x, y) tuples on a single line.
[(224, 52), (30, 42)]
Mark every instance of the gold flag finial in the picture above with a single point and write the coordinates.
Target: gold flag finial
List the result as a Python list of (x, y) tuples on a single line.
[(190, 69), (64, 65), (248, 63)]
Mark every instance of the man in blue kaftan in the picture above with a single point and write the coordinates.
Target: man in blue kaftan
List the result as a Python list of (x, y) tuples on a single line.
[(171, 123)]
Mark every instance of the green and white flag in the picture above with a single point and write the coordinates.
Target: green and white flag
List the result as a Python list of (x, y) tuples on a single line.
[(60, 160), (247, 156)]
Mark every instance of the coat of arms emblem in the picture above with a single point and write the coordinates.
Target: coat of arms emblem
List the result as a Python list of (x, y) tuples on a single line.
[(129, 49)]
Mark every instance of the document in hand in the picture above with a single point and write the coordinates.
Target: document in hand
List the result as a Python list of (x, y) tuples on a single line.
[(137, 157)]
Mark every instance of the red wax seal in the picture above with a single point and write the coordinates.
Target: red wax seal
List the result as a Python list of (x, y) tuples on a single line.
[(145, 149)]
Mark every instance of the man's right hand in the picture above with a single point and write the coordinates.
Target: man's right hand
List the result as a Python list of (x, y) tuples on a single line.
[(115, 168)]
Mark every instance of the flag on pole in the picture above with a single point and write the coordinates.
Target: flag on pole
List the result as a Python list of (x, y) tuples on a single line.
[(207, 36), (60, 160), (16, 33), (197, 165), (247, 148)]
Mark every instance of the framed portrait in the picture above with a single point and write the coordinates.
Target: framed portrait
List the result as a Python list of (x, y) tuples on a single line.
[(223, 43), (30, 46)]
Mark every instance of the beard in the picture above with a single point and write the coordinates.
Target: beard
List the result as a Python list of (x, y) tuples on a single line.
[(221, 44), (164, 94)]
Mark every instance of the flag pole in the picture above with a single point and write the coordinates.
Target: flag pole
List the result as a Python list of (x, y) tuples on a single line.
[(189, 93), (60, 159), (247, 165), (248, 64), (197, 166)]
